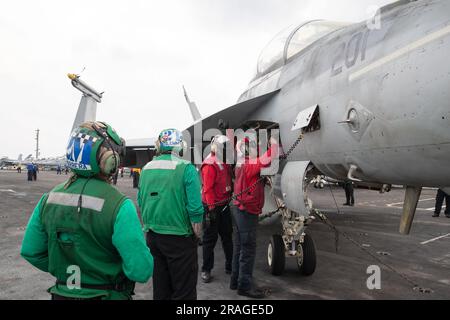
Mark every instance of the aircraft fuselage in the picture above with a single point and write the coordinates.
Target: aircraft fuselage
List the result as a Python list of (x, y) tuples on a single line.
[(391, 83)]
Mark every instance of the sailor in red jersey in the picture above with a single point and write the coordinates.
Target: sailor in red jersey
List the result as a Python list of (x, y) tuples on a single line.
[(246, 209), (216, 193)]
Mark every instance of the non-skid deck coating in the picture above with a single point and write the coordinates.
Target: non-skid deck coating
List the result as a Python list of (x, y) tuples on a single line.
[(424, 255)]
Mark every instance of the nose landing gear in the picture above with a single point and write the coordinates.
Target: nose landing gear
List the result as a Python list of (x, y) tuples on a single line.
[(306, 260), (294, 243), (276, 255)]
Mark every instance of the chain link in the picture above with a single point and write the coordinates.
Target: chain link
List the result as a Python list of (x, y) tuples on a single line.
[(321, 216), (260, 179), (327, 222)]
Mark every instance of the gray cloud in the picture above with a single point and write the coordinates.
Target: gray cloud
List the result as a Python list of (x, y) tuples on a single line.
[(140, 53)]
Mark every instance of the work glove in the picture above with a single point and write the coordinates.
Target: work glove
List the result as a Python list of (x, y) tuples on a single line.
[(211, 216), (197, 228), (207, 220)]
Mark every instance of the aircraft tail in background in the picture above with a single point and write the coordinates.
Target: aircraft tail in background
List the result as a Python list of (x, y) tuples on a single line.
[(192, 107), (87, 109)]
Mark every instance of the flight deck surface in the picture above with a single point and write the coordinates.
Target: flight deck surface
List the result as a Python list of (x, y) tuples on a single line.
[(423, 256)]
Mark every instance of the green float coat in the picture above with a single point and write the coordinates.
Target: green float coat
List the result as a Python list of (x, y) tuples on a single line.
[(169, 196), (103, 239)]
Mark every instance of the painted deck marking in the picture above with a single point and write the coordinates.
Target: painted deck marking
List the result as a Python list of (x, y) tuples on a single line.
[(434, 239)]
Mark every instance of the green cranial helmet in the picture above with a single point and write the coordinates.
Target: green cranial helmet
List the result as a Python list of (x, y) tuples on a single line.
[(170, 140), (94, 148)]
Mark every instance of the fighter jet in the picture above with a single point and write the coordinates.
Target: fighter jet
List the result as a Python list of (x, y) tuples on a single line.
[(6, 162), (369, 102)]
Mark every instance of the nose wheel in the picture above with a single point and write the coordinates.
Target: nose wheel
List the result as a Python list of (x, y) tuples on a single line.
[(305, 254), (276, 255), (306, 258), (294, 241)]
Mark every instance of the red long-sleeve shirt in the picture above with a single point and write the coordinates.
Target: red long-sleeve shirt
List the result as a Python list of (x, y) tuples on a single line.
[(216, 178), (247, 173)]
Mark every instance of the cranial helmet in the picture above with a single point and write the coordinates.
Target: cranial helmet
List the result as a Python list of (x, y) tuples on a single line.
[(218, 142), (245, 145), (94, 148), (170, 140)]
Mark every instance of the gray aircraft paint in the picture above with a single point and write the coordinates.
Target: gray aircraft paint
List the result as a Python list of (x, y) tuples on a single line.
[(383, 99), (396, 78)]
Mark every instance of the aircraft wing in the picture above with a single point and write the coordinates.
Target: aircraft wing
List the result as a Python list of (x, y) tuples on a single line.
[(233, 116), (141, 151)]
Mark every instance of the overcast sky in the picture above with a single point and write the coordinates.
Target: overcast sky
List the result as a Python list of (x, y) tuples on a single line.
[(140, 52)]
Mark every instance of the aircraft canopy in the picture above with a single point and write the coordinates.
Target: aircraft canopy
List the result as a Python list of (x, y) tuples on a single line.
[(291, 41)]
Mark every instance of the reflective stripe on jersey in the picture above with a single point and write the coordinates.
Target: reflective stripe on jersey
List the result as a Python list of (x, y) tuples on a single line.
[(71, 200)]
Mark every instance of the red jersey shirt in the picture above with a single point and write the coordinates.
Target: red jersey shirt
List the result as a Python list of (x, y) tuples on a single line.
[(247, 173), (216, 178)]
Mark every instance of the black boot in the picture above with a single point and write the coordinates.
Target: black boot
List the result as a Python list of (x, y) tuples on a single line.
[(206, 276), (252, 293)]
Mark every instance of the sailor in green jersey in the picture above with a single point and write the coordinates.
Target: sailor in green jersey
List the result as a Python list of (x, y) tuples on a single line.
[(170, 200), (85, 232)]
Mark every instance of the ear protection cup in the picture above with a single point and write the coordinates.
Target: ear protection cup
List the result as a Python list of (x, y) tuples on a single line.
[(218, 140), (158, 146), (109, 162), (183, 149), (213, 147)]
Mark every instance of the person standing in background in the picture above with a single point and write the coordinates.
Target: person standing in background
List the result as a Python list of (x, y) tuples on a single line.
[(169, 197), (440, 196), (216, 193), (349, 192), (85, 228), (247, 207)]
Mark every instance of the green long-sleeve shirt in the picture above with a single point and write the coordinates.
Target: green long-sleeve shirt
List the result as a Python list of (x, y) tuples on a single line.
[(192, 189), (127, 238)]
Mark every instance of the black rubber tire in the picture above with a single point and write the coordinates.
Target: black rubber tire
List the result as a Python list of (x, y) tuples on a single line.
[(278, 255), (309, 256)]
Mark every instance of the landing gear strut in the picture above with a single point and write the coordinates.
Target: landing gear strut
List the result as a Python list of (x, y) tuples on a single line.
[(302, 249), (294, 241)]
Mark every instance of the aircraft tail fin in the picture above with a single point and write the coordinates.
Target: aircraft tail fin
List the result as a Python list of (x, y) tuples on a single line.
[(192, 107), (87, 109), (19, 158)]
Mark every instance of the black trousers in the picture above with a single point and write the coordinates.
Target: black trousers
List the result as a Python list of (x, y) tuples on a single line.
[(440, 196), (349, 193), (220, 224), (136, 180), (175, 266)]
